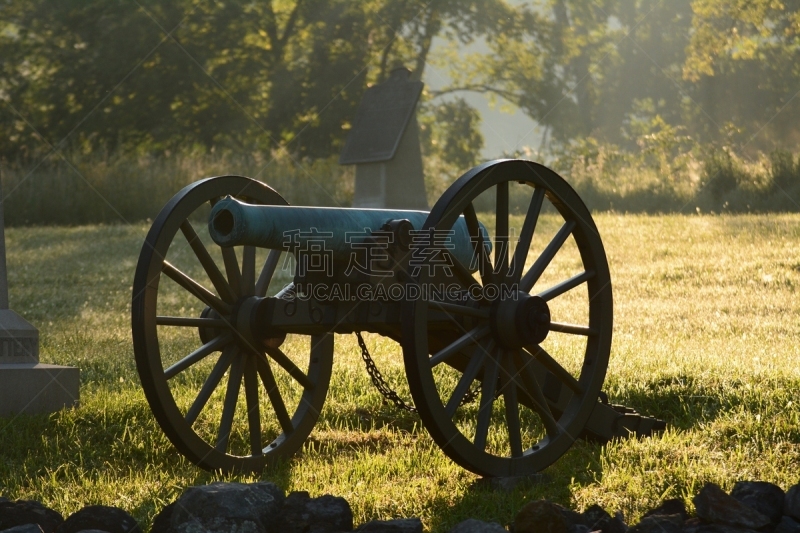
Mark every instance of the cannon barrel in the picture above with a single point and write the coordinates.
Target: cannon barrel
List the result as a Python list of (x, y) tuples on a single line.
[(290, 228)]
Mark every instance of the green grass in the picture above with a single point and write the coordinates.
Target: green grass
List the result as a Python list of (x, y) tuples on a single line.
[(706, 336)]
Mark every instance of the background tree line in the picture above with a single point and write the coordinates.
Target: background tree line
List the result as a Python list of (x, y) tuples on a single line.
[(653, 77)]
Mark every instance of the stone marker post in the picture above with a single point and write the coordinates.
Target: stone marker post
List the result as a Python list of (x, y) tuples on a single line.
[(384, 145), (26, 385)]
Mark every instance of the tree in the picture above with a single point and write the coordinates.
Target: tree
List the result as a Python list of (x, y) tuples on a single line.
[(164, 75), (744, 65), (587, 68), (156, 76)]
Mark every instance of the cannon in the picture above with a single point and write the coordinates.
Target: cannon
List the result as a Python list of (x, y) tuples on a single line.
[(500, 299)]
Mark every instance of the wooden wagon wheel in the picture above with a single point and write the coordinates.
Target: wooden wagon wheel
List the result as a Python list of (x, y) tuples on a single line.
[(193, 357), (540, 376)]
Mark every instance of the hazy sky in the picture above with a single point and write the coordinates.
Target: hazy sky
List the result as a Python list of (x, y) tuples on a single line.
[(502, 131)]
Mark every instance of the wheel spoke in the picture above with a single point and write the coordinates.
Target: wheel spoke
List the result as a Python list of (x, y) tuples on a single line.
[(488, 386), (538, 401), (512, 407), (539, 353), (188, 322), (199, 292), (473, 367), (532, 276), (526, 234), (229, 406), (283, 360), (267, 271), (501, 236), (197, 355), (467, 338), (573, 329), (461, 272), (214, 274), (476, 235), (232, 269), (253, 411), (275, 398), (566, 285), (210, 385), (249, 270)]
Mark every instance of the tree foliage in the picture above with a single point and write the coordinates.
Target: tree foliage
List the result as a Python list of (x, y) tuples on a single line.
[(288, 74), (163, 75), (619, 69)]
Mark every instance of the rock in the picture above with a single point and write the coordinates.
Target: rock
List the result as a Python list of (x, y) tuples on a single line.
[(23, 512), (162, 521), (579, 528), (25, 528), (659, 523), (791, 504), (540, 516), (706, 527), (302, 514), (597, 519), (477, 526), (573, 519), (3, 499), (713, 505), (100, 517), (226, 507), (764, 497), (788, 525), (670, 507), (403, 525)]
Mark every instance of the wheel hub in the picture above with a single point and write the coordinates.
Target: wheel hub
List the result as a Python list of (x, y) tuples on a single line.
[(251, 334), (521, 320), (207, 334)]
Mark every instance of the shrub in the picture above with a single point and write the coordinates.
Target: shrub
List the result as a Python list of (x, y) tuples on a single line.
[(785, 173), (125, 188), (721, 174)]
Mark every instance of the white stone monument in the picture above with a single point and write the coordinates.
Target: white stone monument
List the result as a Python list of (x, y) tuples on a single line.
[(26, 385)]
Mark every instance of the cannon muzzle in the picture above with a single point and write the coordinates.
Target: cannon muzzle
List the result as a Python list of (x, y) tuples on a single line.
[(333, 229)]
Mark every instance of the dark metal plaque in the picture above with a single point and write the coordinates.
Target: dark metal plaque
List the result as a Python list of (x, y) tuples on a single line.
[(381, 119)]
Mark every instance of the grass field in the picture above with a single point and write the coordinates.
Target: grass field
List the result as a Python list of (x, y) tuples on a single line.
[(706, 336)]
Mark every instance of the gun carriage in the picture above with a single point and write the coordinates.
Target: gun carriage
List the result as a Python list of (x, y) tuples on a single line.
[(483, 305)]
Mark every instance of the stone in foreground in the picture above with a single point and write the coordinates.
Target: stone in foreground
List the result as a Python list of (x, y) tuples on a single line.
[(24, 512), (225, 507), (26, 528), (766, 498), (99, 518), (401, 525), (472, 525), (659, 523), (303, 514), (714, 505), (540, 516)]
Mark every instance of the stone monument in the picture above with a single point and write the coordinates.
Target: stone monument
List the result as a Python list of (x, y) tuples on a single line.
[(26, 385), (384, 145)]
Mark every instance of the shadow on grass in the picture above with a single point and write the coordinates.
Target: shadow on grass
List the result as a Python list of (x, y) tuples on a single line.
[(119, 434), (581, 464), (684, 401), (63, 270)]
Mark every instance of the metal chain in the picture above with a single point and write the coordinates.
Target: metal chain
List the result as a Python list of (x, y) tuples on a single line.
[(387, 392)]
